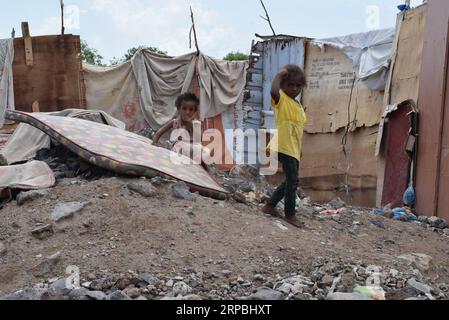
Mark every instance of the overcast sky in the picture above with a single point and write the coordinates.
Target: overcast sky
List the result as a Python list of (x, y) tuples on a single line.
[(113, 26)]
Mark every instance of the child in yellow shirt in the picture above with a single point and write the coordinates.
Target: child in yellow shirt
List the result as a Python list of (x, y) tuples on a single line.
[(287, 142)]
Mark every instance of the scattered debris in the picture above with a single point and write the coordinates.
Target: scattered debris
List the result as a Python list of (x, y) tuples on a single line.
[(43, 231), (181, 191), (66, 210), (28, 196), (418, 260), (144, 188)]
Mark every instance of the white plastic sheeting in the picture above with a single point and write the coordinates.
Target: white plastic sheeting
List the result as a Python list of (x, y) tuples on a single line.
[(6, 79), (370, 53)]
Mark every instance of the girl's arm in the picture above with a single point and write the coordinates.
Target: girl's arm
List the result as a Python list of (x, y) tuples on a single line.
[(276, 85), (165, 128)]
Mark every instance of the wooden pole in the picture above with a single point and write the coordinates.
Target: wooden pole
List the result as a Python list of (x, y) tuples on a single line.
[(29, 60), (62, 17), (194, 32), (267, 18)]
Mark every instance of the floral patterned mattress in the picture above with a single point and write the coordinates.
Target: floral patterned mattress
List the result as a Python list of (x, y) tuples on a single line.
[(120, 151)]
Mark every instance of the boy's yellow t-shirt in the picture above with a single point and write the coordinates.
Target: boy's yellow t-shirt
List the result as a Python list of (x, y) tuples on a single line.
[(290, 121)]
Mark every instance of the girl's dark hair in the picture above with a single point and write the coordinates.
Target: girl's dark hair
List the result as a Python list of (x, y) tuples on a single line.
[(188, 96), (293, 72)]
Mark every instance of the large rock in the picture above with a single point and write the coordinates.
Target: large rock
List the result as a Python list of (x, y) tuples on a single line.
[(418, 260), (59, 287), (267, 294), (421, 287), (66, 210), (24, 197), (144, 188), (339, 296), (181, 191)]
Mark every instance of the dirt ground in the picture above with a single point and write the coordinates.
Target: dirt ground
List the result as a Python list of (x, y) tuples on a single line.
[(119, 230)]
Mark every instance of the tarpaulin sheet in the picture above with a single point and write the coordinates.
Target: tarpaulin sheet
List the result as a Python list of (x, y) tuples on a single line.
[(6, 79)]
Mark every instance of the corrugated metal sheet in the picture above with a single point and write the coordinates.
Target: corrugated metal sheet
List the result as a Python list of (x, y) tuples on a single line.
[(277, 54), (267, 58)]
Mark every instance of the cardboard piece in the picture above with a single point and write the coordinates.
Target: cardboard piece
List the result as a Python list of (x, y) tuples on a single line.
[(332, 90)]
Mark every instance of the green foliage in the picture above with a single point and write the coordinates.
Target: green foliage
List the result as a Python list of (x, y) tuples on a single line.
[(236, 56), (131, 52), (90, 55)]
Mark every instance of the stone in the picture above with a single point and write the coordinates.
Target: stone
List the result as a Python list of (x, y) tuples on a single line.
[(244, 171), (141, 298), (181, 289), (419, 286), (304, 210), (423, 219), (181, 191), (240, 184), (446, 231), (192, 297), (394, 273), (59, 287), (340, 296), (132, 293), (47, 266), (327, 281), (96, 295), (379, 224), (149, 279), (144, 188), (401, 294), (438, 223), (337, 203), (43, 232), (259, 277), (239, 197), (226, 272), (267, 294), (28, 196), (66, 210), (78, 294), (118, 296), (170, 283), (418, 260), (2, 249), (34, 294)]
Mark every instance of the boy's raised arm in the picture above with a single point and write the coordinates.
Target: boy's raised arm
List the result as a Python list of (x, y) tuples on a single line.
[(276, 85)]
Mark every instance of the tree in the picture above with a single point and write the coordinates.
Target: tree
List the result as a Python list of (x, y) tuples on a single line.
[(236, 56), (131, 52), (90, 55)]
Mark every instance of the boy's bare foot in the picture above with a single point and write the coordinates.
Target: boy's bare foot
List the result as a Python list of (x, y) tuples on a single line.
[(295, 221), (270, 210)]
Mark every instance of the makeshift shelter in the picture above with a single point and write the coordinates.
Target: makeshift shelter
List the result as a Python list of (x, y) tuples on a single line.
[(343, 100)]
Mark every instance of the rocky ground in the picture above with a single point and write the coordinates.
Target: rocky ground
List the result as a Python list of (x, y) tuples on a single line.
[(152, 239)]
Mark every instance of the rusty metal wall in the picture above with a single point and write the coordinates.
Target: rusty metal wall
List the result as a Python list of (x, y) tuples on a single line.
[(56, 78), (432, 173)]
